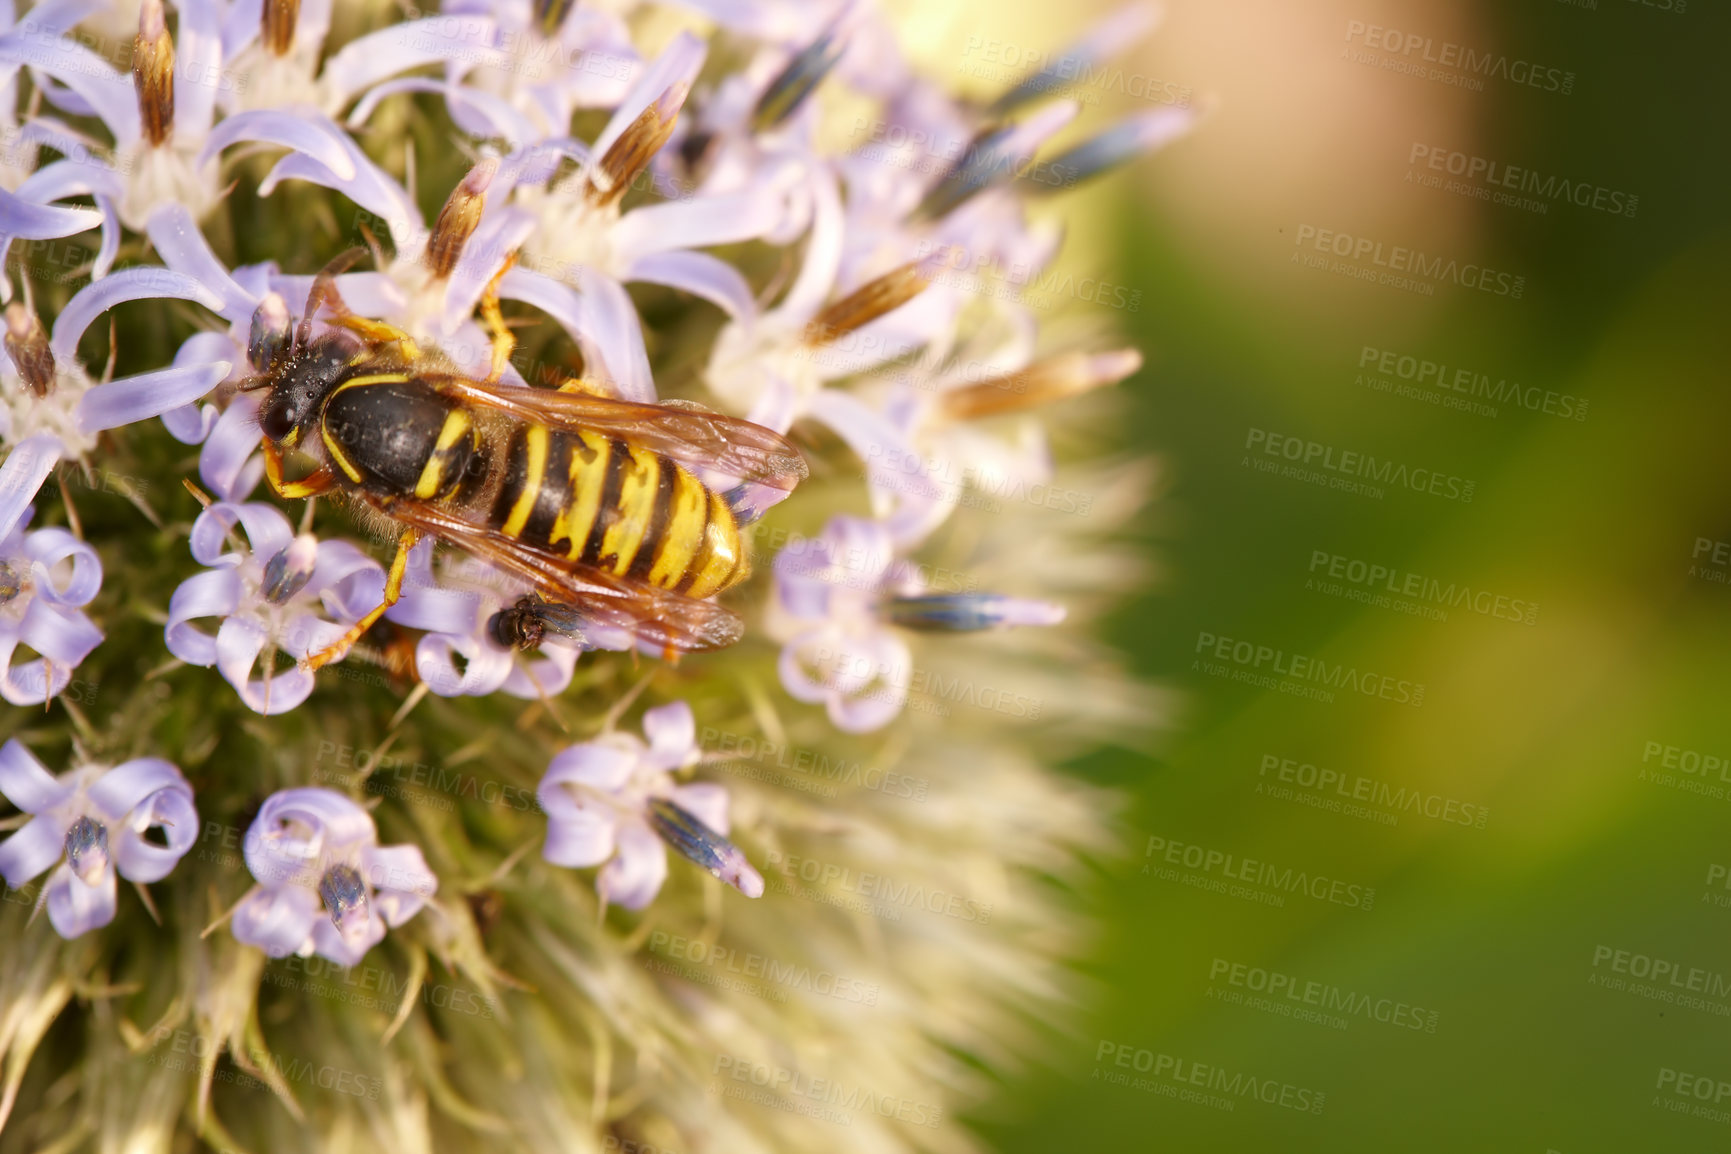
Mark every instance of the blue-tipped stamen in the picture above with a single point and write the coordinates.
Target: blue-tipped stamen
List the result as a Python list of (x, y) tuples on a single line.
[(1123, 142), (968, 612), (694, 840), (345, 897), (87, 849), (288, 572), (796, 82)]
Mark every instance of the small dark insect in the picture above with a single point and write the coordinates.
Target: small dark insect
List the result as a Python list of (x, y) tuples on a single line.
[(524, 624)]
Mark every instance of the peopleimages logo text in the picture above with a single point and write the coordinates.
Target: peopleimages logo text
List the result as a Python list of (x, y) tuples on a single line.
[(1419, 49), (1401, 259)]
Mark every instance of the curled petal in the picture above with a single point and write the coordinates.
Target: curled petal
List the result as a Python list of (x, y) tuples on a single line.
[(699, 274), (183, 248), (125, 787), (231, 463), (349, 582), (33, 849), (278, 920), (300, 828), (364, 62), (600, 765), (130, 284), (22, 474), (579, 834), (29, 220), (267, 532), (75, 907), (401, 881), (26, 782), (634, 876), (672, 734), (146, 395), (346, 949), (239, 641), (213, 593), (170, 810), (485, 666), (547, 676)]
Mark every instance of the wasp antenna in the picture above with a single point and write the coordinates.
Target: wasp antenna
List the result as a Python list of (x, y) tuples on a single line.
[(324, 291)]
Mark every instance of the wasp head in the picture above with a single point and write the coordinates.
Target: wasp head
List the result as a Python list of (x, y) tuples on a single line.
[(299, 376)]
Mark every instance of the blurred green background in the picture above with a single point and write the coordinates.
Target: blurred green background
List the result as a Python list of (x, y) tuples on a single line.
[(1505, 938)]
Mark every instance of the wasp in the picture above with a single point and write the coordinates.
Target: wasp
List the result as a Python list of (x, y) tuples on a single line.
[(594, 501)]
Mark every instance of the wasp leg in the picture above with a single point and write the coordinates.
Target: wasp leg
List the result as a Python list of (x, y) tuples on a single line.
[(320, 480), (579, 385), (339, 648), (504, 344), (381, 333)]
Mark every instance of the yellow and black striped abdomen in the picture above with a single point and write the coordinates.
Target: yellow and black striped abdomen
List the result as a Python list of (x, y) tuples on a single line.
[(610, 504)]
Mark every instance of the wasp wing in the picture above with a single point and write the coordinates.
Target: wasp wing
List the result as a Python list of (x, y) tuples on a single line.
[(659, 617), (686, 432)]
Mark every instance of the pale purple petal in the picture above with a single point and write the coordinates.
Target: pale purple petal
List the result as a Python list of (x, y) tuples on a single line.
[(346, 950), (30, 220), (603, 321), (47, 548), (197, 67), (170, 810), (672, 734), (63, 636), (303, 132), (823, 250), (130, 284), (296, 828), (579, 833), (706, 801), (183, 248), (26, 782), (364, 62), (598, 765), (213, 593), (634, 876), (123, 788), (33, 849), (485, 665), (22, 474), (699, 274), (277, 920), (146, 395), (400, 879), (349, 582), (546, 676), (230, 463), (239, 641), (476, 112), (267, 531), (99, 88), (75, 908), (700, 222)]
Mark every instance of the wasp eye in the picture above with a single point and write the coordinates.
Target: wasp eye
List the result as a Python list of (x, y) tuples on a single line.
[(276, 422), (269, 340)]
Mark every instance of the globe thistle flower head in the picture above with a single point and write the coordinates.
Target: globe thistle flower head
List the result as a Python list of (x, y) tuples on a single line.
[(89, 824), (325, 885)]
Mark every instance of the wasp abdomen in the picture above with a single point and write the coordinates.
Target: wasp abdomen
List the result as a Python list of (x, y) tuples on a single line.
[(391, 434), (607, 503)]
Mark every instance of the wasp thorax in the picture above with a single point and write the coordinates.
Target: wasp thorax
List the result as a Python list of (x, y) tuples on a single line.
[(153, 72), (87, 849), (268, 342), (288, 572), (345, 898), (27, 345)]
